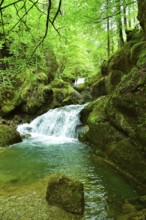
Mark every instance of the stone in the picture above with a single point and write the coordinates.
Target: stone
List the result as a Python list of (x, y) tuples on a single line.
[(66, 193), (99, 88), (114, 78), (8, 135)]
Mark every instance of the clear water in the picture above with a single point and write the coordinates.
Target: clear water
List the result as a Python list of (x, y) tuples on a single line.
[(52, 148), (34, 159)]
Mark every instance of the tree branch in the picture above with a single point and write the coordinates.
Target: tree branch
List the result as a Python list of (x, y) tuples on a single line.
[(23, 16), (47, 24), (27, 28), (99, 20), (58, 10), (1, 3), (6, 6)]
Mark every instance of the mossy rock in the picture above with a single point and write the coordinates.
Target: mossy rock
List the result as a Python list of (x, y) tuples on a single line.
[(142, 56), (35, 97), (114, 78), (66, 193), (80, 87), (136, 52), (114, 138), (8, 135), (99, 88), (126, 107), (10, 99), (104, 70), (121, 60)]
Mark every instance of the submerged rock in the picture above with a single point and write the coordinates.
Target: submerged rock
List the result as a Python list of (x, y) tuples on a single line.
[(66, 193), (8, 135)]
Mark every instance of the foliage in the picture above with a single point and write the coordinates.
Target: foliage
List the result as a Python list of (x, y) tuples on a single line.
[(76, 32)]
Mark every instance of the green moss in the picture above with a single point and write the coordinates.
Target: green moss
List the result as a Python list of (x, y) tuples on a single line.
[(66, 193), (8, 135), (142, 57), (121, 59), (136, 50)]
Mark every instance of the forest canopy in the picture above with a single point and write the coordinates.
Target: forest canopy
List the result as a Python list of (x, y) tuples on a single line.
[(80, 34)]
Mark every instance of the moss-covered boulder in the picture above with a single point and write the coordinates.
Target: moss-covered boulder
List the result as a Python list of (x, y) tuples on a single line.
[(106, 140), (66, 193), (9, 100), (113, 79), (121, 60), (126, 108), (99, 88), (8, 135), (10, 97)]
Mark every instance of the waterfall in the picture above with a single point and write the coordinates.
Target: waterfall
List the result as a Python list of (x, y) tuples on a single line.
[(79, 81), (59, 122)]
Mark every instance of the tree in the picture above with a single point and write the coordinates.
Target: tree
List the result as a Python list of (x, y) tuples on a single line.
[(142, 14), (119, 24)]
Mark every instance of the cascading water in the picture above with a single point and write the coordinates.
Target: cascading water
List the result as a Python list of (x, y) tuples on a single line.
[(59, 122)]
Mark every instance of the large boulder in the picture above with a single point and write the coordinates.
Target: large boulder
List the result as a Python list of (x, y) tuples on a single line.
[(66, 193), (8, 135), (99, 88)]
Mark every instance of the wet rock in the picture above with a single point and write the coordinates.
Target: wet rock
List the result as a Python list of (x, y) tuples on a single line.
[(8, 135), (82, 133), (66, 193)]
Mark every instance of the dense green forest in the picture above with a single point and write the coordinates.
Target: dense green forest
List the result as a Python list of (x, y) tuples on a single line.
[(79, 34)]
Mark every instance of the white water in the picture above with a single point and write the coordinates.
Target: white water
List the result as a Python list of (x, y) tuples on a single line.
[(59, 122), (79, 81)]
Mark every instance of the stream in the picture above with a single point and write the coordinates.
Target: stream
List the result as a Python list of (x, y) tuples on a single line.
[(51, 148)]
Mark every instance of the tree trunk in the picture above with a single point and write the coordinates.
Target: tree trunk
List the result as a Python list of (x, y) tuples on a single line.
[(119, 24), (108, 29), (142, 14), (125, 15)]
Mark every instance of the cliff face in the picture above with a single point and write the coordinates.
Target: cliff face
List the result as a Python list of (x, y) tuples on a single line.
[(117, 119)]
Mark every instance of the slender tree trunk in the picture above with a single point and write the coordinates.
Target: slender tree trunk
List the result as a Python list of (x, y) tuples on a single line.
[(125, 15), (129, 19), (142, 14), (112, 39), (119, 24), (108, 29)]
